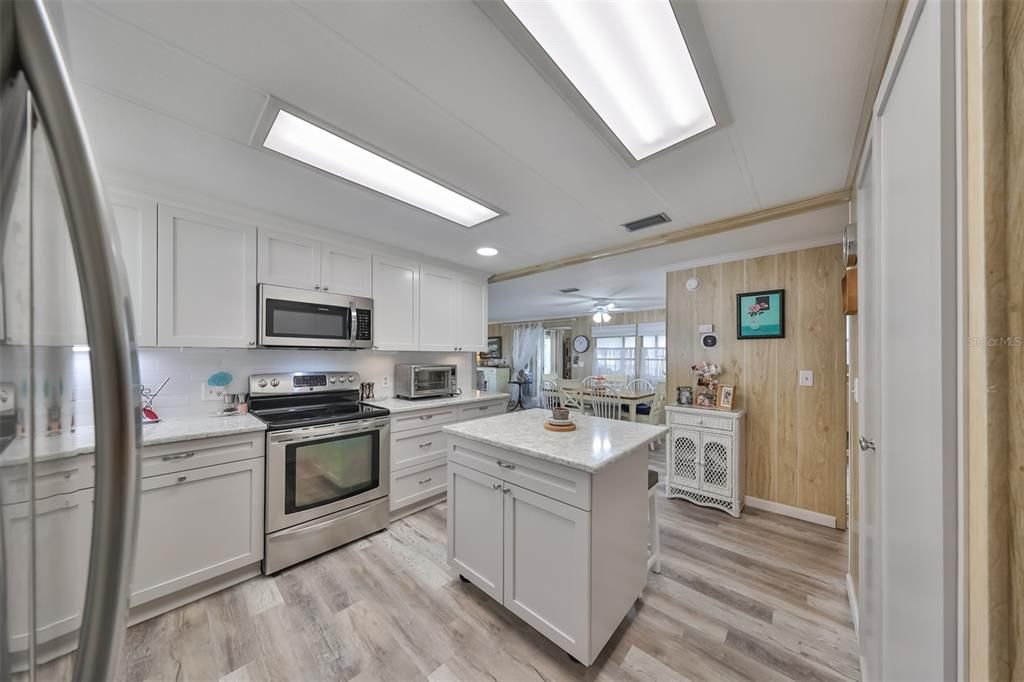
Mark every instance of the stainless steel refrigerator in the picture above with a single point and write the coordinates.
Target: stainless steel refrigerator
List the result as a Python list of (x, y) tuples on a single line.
[(68, 490)]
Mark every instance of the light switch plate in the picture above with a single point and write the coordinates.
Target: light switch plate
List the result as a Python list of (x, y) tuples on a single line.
[(806, 377), (705, 328)]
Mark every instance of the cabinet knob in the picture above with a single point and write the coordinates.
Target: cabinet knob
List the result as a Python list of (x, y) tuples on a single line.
[(252, 343), (317, 287), (325, 288), (506, 490), (497, 486), (182, 479)]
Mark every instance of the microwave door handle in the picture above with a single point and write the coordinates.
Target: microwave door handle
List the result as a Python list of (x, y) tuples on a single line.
[(353, 332)]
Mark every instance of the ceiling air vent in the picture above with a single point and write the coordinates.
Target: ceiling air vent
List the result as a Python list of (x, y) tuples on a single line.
[(570, 290), (649, 221)]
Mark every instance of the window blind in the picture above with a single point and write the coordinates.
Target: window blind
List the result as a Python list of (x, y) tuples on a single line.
[(607, 330)]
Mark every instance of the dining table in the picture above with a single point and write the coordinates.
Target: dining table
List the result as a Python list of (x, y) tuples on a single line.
[(629, 399)]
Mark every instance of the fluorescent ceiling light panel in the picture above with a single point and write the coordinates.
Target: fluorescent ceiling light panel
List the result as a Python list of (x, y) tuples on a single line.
[(303, 141), (629, 60)]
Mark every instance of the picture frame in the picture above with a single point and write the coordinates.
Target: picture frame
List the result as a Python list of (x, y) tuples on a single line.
[(706, 400), (494, 347), (761, 314), (726, 396)]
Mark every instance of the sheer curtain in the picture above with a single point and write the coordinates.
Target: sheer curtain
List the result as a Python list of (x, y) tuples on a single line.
[(527, 346)]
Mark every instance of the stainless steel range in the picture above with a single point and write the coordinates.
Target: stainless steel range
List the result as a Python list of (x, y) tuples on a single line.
[(327, 463)]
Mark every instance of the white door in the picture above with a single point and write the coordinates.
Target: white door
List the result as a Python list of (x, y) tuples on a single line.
[(915, 256), (135, 221), (475, 509), (197, 524), (207, 280), (347, 270), (682, 462), (716, 464), (471, 315), (396, 304), (438, 309), (288, 260), (547, 562)]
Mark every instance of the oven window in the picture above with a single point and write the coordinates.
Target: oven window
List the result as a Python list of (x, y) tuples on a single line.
[(432, 379), (326, 471), (307, 320)]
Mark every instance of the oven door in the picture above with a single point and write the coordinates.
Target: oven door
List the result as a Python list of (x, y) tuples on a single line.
[(320, 470), (296, 317), (427, 381)]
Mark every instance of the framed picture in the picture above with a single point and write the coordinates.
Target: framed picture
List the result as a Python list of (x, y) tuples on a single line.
[(761, 315), (726, 394), (494, 346), (705, 400)]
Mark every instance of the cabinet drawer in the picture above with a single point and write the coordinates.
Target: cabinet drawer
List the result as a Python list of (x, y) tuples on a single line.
[(417, 483), (417, 446), (53, 477), (481, 410), (168, 458), (708, 422), (564, 484), (415, 420)]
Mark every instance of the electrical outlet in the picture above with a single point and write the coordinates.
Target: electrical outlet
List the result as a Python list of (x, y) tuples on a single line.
[(208, 392), (806, 377), (385, 381)]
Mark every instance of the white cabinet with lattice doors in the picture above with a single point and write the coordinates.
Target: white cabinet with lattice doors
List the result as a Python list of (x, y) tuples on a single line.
[(705, 457)]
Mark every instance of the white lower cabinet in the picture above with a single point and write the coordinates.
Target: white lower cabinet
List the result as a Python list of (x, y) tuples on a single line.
[(476, 510), (195, 525), (705, 457), (417, 483)]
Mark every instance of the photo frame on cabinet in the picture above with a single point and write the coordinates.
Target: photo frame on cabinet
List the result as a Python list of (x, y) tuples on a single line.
[(761, 315), (726, 396), (494, 347)]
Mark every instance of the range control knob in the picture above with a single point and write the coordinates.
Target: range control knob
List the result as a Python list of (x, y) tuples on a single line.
[(351, 378), (262, 383), (275, 383), (333, 380)]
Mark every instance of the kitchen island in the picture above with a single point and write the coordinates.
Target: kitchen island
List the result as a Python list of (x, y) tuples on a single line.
[(552, 525)]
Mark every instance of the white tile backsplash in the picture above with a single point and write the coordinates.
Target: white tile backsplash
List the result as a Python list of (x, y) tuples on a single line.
[(189, 367)]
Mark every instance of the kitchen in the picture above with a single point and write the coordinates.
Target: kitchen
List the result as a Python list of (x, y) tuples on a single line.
[(395, 340)]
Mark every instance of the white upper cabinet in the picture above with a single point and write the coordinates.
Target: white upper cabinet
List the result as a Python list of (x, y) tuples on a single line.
[(438, 290), (289, 260), (471, 314), (347, 270), (135, 221), (206, 280), (396, 304)]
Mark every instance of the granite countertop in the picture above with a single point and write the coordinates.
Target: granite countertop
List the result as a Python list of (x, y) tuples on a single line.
[(594, 444), (82, 441), (405, 405)]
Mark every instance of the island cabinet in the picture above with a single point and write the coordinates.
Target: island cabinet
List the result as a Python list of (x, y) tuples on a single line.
[(562, 548)]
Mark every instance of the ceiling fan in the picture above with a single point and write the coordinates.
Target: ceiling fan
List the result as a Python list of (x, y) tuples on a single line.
[(602, 310)]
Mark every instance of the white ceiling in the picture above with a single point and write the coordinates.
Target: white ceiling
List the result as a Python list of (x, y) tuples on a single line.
[(172, 90), (636, 281)]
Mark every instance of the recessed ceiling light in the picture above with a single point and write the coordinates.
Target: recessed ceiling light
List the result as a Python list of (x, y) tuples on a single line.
[(487, 251), (629, 60), (309, 143)]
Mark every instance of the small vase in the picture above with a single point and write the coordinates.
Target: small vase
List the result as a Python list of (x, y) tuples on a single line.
[(754, 324)]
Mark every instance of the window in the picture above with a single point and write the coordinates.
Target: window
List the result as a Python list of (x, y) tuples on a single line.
[(652, 358), (615, 355), (549, 360)]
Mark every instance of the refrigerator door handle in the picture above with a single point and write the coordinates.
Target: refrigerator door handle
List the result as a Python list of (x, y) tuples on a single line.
[(115, 374)]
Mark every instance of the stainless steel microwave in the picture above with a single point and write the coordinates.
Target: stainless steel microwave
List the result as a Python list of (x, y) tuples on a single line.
[(424, 381), (314, 319)]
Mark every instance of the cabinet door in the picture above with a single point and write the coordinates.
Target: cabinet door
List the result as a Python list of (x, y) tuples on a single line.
[(475, 527), (347, 270), (683, 456), (547, 567), (135, 221), (57, 317), (438, 309), (716, 464), (471, 320), (207, 280), (396, 304), (288, 260), (195, 525)]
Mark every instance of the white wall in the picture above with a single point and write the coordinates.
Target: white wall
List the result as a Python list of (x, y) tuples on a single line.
[(189, 367)]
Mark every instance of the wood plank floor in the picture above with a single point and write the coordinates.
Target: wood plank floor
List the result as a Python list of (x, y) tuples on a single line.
[(757, 598)]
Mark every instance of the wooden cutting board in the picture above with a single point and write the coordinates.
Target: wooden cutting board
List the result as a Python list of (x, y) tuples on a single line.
[(559, 429)]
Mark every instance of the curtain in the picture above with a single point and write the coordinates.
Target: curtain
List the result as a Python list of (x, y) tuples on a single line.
[(527, 346)]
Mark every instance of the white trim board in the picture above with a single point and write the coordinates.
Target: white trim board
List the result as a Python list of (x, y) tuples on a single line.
[(851, 592), (772, 250), (793, 512)]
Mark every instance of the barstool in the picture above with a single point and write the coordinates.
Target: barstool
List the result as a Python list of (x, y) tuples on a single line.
[(654, 539)]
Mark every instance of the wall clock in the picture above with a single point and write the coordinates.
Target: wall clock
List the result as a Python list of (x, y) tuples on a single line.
[(581, 344)]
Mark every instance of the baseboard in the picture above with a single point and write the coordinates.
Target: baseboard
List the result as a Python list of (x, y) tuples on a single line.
[(793, 512), (851, 592)]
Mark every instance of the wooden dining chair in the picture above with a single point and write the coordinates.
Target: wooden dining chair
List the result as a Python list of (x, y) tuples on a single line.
[(606, 402), (551, 395)]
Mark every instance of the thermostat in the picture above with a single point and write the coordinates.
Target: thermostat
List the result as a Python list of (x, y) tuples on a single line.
[(709, 340)]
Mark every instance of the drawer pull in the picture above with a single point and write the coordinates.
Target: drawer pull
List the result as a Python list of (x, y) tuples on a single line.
[(182, 479), (427, 444), (425, 417), (428, 479), (184, 455), (506, 465), (67, 474), (485, 407)]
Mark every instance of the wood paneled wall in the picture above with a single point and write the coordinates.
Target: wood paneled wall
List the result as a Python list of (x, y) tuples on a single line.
[(795, 441), (579, 325)]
